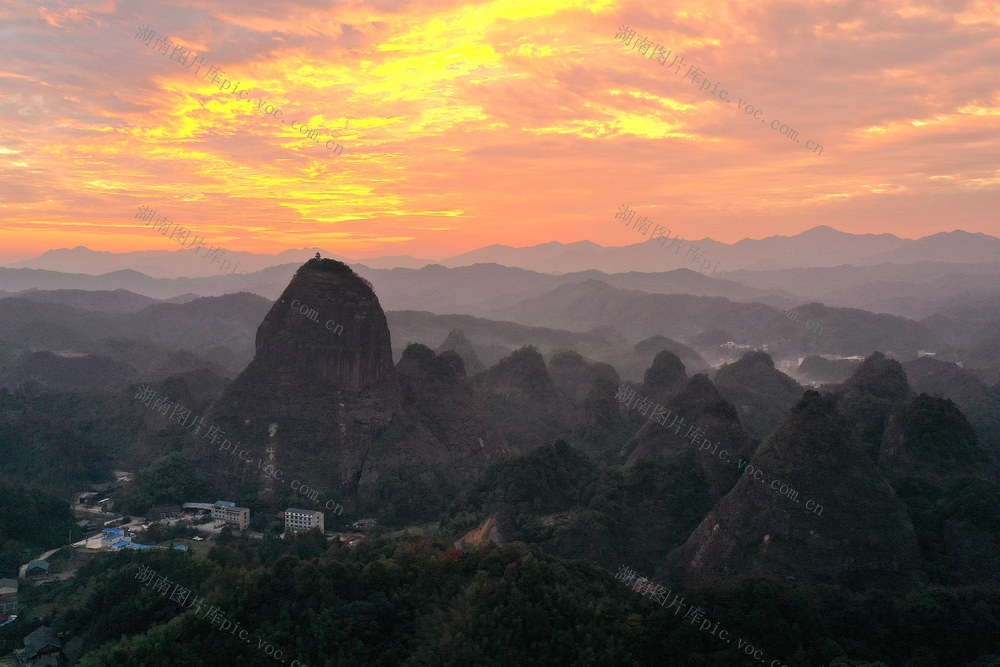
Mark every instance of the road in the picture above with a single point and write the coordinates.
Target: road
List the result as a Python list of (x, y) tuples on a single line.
[(20, 573)]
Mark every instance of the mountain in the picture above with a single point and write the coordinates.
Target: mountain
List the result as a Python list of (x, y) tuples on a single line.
[(824, 246), (979, 402), (862, 536), (697, 414), (179, 263), (948, 481), (67, 372), (322, 402), (878, 388), (575, 376), (457, 342), (159, 340), (762, 394), (956, 246), (931, 440), (665, 378), (523, 400), (591, 304), (116, 301), (267, 282), (315, 398)]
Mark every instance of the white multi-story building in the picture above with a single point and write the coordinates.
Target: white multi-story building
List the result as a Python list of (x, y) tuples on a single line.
[(223, 510), (296, 519)]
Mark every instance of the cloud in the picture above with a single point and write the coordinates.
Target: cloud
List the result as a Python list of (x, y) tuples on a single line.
[(520, 121)]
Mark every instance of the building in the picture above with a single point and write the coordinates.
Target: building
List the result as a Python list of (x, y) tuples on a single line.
[(297, 519), (114, 539), (165, 512), (364, 523), (8, 596), (38, 568), (43, 648), (86, 525), (223, 510)]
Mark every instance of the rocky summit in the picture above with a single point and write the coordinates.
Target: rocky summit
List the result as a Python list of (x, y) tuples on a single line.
[(314, 397)]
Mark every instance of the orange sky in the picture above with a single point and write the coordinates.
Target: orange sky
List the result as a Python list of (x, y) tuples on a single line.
[(512, 121)]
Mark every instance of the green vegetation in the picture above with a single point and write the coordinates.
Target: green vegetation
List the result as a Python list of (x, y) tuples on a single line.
[(418, 602), (170, 479), (31, 522)]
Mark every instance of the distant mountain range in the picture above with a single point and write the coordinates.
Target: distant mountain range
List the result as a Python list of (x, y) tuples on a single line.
[(818, 247)]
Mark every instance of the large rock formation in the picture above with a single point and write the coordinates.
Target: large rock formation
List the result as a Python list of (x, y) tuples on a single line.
[(762, 394), (524, 401), (862, 536), (322, 404), (876, 389), (320, 387)]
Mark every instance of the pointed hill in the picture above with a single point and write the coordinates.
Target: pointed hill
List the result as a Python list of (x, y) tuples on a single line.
[(762, 394), (949, 483), (575, 375), (866, 399), (458, 343), (978, 401), (699, 406), (861, 538), (665, 378), (602, 429), (931, 440), (523, 400)]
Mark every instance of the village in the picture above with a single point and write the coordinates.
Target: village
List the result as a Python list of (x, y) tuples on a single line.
[(191, 527)]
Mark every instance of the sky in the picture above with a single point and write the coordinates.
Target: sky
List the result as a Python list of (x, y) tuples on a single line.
[(461, 125)]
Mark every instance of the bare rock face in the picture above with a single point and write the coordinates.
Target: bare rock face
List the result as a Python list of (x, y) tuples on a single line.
[(322, 404), (492, 529), (862, 537), (326, 330), (319, 389)]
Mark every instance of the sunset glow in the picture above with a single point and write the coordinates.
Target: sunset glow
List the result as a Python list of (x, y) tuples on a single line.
[(512, 121)]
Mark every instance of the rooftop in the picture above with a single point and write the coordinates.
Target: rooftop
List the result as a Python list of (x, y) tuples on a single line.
[(301, 511)]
